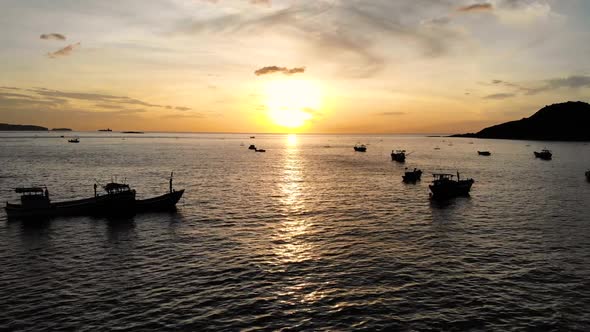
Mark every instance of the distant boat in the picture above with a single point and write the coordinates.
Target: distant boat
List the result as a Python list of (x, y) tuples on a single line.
[(74, 140), (259, 150), (132, 132), (437, 148), (252, 136), (412, 176), (588, 175), (108, 129), (544, 154), (252, 147), (398, 155), (360, 148), (444, 186), (484, 153)]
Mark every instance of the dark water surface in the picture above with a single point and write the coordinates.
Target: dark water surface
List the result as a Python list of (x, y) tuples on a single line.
[(302, 237)]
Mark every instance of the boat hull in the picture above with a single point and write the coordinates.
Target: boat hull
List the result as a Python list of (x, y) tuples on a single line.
[(161, 203), (451, 189), (397, 157), (360, 149), (544, 156), (412, 176)]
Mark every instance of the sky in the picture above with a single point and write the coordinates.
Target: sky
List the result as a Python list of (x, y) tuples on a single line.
[(301, 66)]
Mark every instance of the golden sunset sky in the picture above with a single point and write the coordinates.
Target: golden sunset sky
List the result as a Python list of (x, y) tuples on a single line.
[(317, 66)]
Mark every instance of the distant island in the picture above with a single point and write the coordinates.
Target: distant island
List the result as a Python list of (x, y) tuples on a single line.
[(558, 122), (61, 129), (13, 127)]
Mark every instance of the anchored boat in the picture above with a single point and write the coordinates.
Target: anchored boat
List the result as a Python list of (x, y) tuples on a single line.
[(412, 176), (544, 154), (252, 147), (444, 186), (74, 140), (588, 175), (484, 153), (360, 148), (398, 155)]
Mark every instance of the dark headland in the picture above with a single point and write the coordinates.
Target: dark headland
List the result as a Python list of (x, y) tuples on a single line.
[(13, 127), (558, 122)]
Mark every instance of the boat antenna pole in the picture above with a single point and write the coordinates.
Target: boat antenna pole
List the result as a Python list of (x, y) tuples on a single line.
[(171, 177)]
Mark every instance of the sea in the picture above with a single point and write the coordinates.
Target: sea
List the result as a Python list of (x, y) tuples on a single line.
[(307, 236)]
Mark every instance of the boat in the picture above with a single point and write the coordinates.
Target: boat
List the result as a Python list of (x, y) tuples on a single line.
[(252, 147), (444, 186), (252, 136), (588, 175), (544, 154), (398, 155), (108, 129), (117, 199), (259, 150), (74, 140), (360, 148), (35, 203), (412, 176), (484, 153), (132, 132)]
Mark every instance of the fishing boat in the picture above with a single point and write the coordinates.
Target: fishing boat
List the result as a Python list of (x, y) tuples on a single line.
[(544, 154), (108, 129), (252, 147), (398, 155), (484, 153), (35, 203), (360, 148), (160, 203), (444, 186), (74, 140), (117, 199), (260, 150), (412, 176)]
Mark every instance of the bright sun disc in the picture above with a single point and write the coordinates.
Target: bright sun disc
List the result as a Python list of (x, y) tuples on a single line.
[(291, 103)]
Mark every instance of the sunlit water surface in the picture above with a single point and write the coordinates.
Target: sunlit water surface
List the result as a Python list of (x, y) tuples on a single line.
[(307, 236)]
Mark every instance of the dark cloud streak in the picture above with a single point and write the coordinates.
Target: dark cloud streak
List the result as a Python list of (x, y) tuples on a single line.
[(275, 69)]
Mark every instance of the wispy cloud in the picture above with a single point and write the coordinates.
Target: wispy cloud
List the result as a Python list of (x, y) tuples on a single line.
[(499, 96), (181, 108), (64, 51), (53, 36), (477, 7), (274, 69), (390, 113)]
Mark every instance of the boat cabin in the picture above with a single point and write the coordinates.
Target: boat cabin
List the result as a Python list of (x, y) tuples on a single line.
[(34, 196), (116, 188)]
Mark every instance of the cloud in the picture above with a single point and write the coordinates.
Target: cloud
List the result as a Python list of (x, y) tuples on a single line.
[(390, 113), (54, 36), (274, 69), (477, 7), (180, 108), (500, 96), (570, 82), (64, 51)]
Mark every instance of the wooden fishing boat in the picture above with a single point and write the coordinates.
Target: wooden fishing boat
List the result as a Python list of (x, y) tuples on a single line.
[(360, 148), (412, 176), (444, 186), (398, 155), (544, 154), (252, 147)]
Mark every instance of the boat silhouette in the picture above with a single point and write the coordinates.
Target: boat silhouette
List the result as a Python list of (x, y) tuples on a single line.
[(398, 155), (412, 176), (484, 153), (360, 148), (544, 154), (444, 186)]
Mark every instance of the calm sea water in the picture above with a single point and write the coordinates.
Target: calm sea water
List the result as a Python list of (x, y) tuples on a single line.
[(307, 236)]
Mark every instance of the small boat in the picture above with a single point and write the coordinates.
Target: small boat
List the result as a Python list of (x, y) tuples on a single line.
[(484, 153), (252, 147), (360, 148), (108, 129), (588, 175), (437, 148), (412, 176), (252, 136), (444, 186), (544, 154), (74, 140), (260, 150), (398, 155)]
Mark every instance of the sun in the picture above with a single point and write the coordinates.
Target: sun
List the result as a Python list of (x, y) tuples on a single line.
[(292, 102)]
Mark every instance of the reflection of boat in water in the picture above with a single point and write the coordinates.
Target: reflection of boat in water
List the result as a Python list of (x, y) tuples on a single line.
[(444, 186), (398, 155), (74, 140), (484, 153), (412, 176), (118, 199), (544, 154), (252, 147), (360, 148)]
